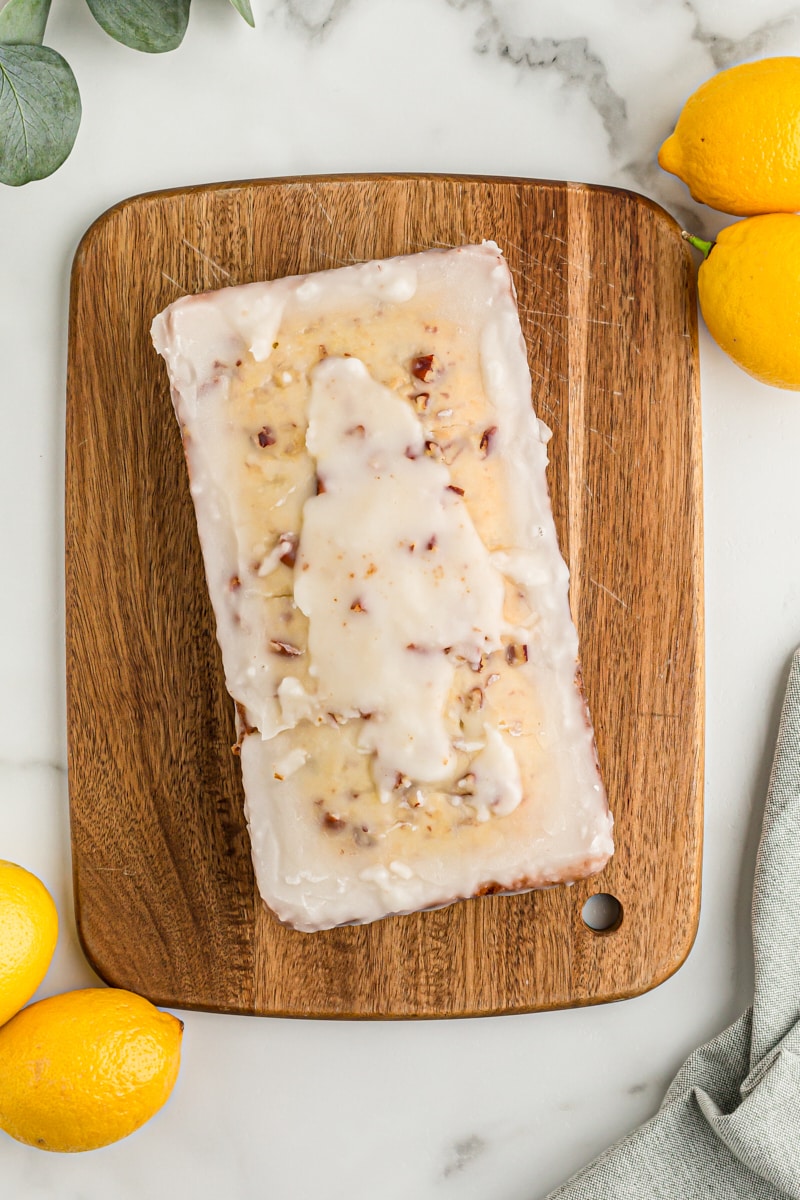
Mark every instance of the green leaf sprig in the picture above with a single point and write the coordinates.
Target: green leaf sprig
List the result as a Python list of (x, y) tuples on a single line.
[(40, 105)]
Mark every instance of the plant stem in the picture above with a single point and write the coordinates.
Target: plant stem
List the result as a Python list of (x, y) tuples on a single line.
[(700, 244)]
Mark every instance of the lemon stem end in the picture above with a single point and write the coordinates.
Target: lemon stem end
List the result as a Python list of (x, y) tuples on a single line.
[(700, 244)]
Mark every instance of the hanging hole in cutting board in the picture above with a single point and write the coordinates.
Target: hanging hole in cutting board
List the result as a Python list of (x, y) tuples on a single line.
[(602, 913)]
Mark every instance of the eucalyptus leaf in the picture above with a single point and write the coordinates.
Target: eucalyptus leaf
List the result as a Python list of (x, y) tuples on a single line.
[(243, 7), (153, 26), (40, 111), (22, 22)]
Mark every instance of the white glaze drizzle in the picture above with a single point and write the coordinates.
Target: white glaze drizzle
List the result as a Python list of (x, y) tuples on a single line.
[(390, 573)]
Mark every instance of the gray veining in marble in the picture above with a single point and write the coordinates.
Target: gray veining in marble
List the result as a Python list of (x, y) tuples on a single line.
[(572, 57), (33, 764), (726, 51), (463, 1153), (314, 17)]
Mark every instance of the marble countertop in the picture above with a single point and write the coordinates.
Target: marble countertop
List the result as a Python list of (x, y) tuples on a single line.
[(504, 1107)]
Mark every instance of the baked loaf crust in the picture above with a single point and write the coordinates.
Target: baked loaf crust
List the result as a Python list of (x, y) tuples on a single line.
[(391, 603)]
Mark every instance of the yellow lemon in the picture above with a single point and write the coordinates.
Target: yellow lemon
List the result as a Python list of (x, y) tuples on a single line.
[(749, 290), (28, 933), (737, 140), (86, 1068)]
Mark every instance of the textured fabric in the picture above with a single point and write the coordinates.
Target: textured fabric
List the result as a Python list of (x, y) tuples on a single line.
[(729, 1126)]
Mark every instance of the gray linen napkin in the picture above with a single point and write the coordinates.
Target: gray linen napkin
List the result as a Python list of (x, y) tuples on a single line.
[(729, 1126)]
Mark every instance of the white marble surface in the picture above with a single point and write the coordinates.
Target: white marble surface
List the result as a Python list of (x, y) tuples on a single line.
[(504, 1107)]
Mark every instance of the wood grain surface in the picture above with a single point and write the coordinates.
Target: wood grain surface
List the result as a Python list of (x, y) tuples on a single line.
[(166, 901)]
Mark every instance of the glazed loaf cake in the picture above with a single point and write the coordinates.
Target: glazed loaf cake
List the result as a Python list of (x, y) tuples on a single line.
[(369, 482)]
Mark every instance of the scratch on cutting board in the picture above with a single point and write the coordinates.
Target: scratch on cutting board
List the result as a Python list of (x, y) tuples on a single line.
[(540, 375), (615, 324), (523, 253), (550, 330), (551, 413), (429, 245), (463, 239), (613, 595), (608, 438), (215, 266), (444, 245), (164, 275), (533, 259), (577, 266), (335, 231), (340, 262), (540, 312)]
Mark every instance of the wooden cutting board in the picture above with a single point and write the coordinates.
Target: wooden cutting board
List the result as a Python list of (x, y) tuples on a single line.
[(166, 902)]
